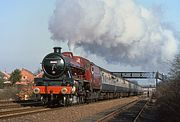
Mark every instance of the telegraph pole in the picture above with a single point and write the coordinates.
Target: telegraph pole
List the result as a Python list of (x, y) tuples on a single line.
[(156, 77)]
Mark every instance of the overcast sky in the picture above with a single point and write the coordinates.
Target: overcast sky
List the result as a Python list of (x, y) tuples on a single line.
[(25, 38)]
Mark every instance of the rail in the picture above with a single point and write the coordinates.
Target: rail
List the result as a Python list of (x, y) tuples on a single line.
[(114, 115), (140, 112), (116, 112), (21, 111)]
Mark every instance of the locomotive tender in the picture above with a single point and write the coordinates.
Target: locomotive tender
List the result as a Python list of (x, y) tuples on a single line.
[(71, 79)]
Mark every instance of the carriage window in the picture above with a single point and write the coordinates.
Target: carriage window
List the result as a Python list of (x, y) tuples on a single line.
[(92, 70)]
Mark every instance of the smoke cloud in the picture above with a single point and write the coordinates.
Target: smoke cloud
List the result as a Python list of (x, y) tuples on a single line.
[(119, 31)]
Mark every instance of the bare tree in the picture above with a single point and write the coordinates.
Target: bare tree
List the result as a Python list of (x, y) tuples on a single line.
[(169, 93)]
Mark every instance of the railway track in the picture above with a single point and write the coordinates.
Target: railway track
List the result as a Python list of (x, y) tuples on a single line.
[(10, 109), (16, 112), (21, 111), (127, 113), (6, 101), (150, 113), (77, 112), (11, 105), (17, 104)]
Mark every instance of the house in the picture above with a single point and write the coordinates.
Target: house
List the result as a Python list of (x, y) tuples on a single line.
[(40, 75), (149, 90), (27, 77), (25, 85), (4, 75)]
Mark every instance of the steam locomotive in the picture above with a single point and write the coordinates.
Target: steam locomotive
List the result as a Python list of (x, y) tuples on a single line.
[(72, 79)]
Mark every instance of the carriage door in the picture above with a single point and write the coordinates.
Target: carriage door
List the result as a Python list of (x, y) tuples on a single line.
[(96, 77)]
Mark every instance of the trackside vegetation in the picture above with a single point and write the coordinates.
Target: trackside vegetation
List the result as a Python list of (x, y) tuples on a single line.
[(168, 94)]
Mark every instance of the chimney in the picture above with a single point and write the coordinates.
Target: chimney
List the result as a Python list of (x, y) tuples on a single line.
[(57, 50)]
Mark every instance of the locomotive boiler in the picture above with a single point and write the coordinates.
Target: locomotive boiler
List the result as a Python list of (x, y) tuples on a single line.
[(72, 79)]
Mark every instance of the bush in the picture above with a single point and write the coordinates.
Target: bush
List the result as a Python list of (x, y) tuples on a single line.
[(8, 93), (15, 76), (1, 83)]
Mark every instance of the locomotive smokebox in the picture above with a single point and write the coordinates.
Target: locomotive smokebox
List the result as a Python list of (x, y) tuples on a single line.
[(57, 50)]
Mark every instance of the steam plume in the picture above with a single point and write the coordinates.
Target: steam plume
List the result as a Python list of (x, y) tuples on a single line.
[(116, 30)]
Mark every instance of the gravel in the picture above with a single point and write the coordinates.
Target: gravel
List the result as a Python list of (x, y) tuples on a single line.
[(73, 113)]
